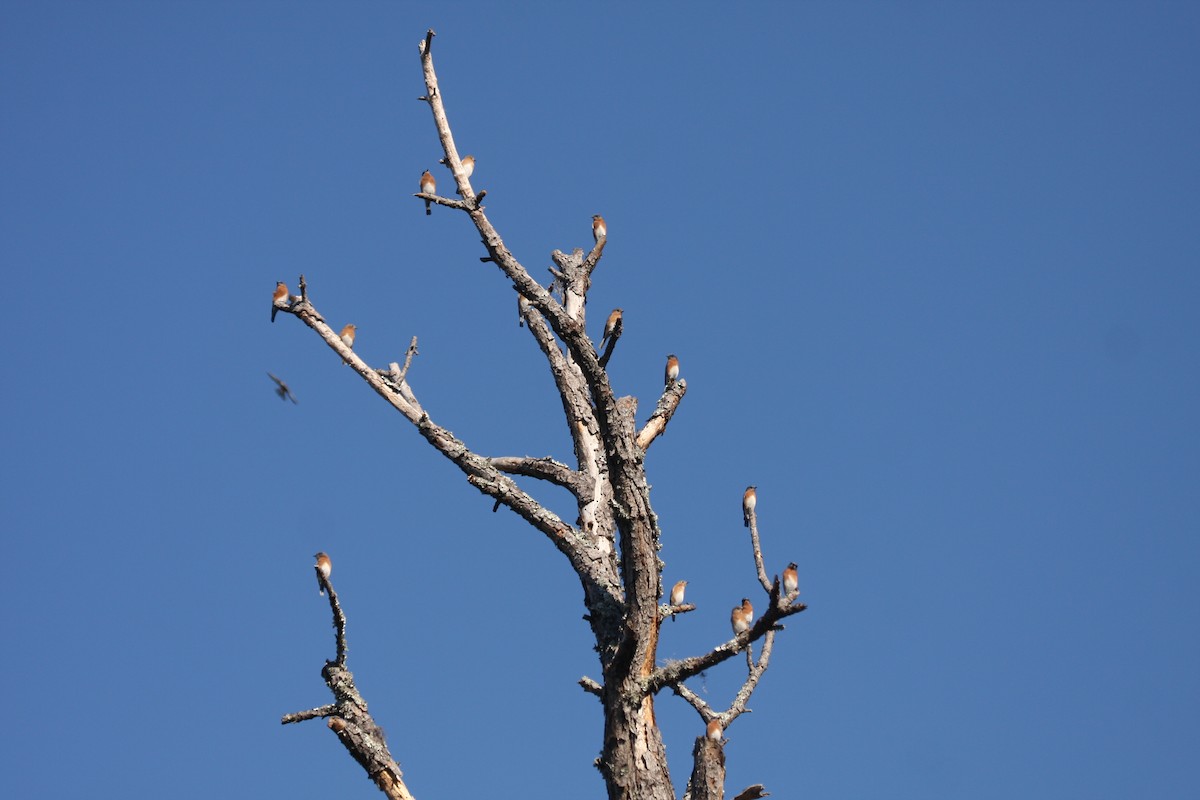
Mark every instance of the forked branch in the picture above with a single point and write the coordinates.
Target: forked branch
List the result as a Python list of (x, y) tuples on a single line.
[(347, 716)]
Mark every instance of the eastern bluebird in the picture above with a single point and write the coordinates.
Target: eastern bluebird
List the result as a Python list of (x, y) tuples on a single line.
[(671, 373), (280, 300), (749, 501), (282, 389), (347, 337), (468, 166), (677, 593), (610, 326), (791, 581), (714, 730), (599, 229), (742, 616), (324, 567), (428, 186)]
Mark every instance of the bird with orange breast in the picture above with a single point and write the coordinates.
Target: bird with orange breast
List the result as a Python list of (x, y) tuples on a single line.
[(741, 617), (428, 186), (791, 581), (713, 731), (599, 229), (671, 373), (468, 166), (610, 326), (347, 337), (280, 300), (749, 501), (324, 567), (677, 592)]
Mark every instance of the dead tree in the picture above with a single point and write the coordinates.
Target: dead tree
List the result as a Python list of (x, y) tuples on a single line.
[(613, 544)]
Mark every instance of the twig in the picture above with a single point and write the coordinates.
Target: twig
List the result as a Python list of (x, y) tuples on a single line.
[(445, 201), (408, 358), (758, 558), (669, 610)]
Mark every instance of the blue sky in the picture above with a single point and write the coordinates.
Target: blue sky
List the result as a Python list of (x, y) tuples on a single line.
[(932, 274)]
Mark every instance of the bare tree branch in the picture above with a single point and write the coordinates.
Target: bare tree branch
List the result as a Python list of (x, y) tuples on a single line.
[(312, 713), (752, 792), (339, 617), (348, 716), (663, 412), (445, 201), (679, 671), (669, 610), (545, 468), (480, 472), (398, 373), (695, 700), (758, 558)]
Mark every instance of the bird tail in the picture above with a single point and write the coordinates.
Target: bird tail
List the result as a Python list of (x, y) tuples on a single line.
[(427, 211)]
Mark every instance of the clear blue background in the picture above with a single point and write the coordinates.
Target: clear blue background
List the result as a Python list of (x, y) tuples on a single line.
[(932, 271)]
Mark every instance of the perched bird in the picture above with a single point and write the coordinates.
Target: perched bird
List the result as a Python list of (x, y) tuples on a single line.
[(671, 373), (714, 730), (428, 186), (282, 389), (599, 229), (677, 593), (791, 581), (749, 501), (742, 616), (610, 326), (468, 165), (347, 337), (324, 567), (280, 300)]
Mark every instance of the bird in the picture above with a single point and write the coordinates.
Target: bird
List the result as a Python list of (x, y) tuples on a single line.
[(282, 389), (280, 300), (677, 593), (468, 165), (714, 730), (742, 616), (428, 186), (749, 501), (347, 337), (324, 567), (610, 326), (671, 373), (599, 229), (791, 581)]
